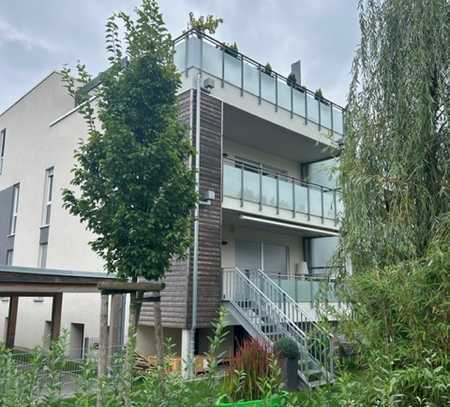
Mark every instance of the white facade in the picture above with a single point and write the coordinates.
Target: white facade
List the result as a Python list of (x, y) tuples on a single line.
[(42, 133)]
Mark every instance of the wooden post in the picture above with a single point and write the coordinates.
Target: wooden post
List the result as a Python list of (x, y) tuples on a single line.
[(103, 345), (116, 325), (56, 317), (12, 321)]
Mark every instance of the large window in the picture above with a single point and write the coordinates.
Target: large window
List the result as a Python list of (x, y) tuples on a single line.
[(2, 148), (15, 210), (322, 251), (48, 196), (272, 258)]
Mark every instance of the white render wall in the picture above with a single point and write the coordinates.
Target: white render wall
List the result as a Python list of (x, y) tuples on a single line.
[(32, 147)]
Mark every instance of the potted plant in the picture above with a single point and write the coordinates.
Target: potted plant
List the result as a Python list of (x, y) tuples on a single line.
[(288, 352), (291, 79), (232, 49), (267, 69), (318, 95), (253, 378)]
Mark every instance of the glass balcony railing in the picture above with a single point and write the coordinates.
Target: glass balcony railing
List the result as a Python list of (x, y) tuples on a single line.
[(249, 183), (195, 50)]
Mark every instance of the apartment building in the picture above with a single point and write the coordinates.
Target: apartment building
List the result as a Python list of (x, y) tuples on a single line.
[(268, 217)]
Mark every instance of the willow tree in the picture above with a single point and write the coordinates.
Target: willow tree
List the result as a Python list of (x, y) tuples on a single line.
[(395, 160), (131, 183)]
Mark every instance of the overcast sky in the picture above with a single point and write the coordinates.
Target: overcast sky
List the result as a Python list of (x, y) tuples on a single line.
[(38, 36)]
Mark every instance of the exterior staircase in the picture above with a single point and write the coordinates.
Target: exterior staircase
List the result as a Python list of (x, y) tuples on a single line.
[(266, 311)]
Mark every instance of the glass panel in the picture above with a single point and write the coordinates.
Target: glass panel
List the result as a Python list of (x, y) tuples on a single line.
[(284, 95), (248, 254), (288, 286), (322, 250), (212, 60), (339, 204), (303, 291), (232, 181), (286, 200), (269, 190), (275, 259), (325, 115), (193, 52), (338, 121), (180, 56), (232, 69), (328, 204), (313, 109), (315, 201), (251, 80), (251, 186), (301, 198), (299, 102), (268, 87)]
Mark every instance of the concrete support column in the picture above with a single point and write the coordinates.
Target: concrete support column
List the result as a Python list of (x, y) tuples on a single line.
[(12, 321), (186, 362), (56, 317)]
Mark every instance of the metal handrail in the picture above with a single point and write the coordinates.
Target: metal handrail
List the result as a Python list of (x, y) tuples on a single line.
[(250, 166), (252, 61), (322, 102), (262, 306)]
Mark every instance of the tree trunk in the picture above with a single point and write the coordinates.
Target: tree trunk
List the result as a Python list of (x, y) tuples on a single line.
[(158, 331)]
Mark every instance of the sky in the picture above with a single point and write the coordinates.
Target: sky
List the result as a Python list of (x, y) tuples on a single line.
[(39, 36)]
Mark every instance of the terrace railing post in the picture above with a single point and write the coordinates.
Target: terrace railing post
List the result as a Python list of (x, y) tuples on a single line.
[(335, 207), (278, 193), (276, 92), (242, 75), (308, 202), (332, 119), (259, 85), (292, 101), (293, 197), (306, 107), (319, 104), (223, 67), (322, 212), (242, 185), (260, 188)]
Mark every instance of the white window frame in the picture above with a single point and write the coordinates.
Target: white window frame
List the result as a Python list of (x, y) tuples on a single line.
[(9, 257), (15, 210), (48, 196), (2, 148), (42, 256)]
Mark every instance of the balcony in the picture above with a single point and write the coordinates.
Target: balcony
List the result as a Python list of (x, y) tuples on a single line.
[(195, 50), (261, 191)]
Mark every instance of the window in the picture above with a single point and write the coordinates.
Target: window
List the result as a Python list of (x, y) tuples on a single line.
[(48, 197), (9, 257), (15, 210), (2, 148), (42, 258)]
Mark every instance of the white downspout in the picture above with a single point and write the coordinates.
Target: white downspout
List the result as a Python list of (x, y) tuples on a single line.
[(196, 221)]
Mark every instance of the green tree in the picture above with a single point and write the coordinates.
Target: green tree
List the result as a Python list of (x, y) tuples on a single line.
[(396, 191), (395, 161), (204, 24), (132, 185)]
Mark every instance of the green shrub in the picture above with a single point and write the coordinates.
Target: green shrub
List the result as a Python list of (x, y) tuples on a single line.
[(287, 348)]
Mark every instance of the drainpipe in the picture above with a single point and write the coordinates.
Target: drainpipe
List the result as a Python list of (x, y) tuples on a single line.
[(196, 221)]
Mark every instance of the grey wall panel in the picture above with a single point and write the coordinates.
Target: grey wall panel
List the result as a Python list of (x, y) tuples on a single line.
[(6, 242)]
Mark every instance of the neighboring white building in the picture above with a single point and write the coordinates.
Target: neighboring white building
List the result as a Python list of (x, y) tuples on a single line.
[(269, 201)]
